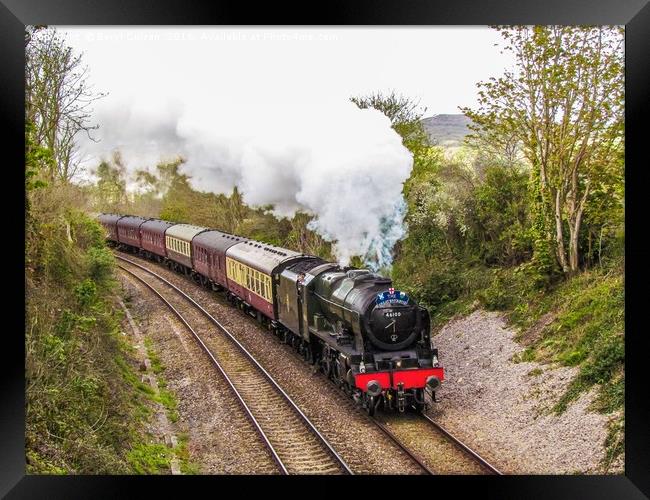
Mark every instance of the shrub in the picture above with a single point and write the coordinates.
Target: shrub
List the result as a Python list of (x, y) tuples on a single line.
[(86, 292), (149, 458), (100, 263)]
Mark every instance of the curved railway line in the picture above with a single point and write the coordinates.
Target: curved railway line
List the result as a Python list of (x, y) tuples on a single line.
[(487, 465), (403, 427), (292, 440)]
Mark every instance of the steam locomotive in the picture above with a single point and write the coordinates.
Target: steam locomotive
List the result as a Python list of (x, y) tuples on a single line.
[(370, 339)]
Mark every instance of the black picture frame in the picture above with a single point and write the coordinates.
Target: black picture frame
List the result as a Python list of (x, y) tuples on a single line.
[(634, 14)]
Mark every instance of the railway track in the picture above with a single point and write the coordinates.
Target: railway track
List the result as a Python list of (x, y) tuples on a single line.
[(430, 445), (479, 459), (426, 425), (401, 445), (292, 440), (417, 458)]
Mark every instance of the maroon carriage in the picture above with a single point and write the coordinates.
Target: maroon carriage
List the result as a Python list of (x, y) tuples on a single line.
[(109, 222), (128, 230), (209, 255), (152, 233), (249, 268)]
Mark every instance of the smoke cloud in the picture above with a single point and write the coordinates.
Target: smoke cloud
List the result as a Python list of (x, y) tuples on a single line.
[(342, 164), (267, 109)]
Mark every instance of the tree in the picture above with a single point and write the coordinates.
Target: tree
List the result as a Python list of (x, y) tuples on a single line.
[(111, 184), (564, 104), (57, 99), (405, 116), (304, 239)]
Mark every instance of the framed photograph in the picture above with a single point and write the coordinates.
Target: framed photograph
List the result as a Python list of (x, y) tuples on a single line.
[(392, 241)]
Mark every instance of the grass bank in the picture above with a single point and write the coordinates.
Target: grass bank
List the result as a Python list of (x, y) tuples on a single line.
[(578, 322), (86, 409)]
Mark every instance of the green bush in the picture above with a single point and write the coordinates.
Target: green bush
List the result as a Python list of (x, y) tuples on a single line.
[(81, 413), (101, 263), (86, 292), (496, 296), (606, 358), (441, 286), (150, 458)]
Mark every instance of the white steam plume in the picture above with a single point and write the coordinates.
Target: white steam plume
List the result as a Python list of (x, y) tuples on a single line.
[(344, 165)]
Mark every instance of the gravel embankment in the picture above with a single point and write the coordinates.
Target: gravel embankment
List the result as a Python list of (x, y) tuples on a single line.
[(502, 410)]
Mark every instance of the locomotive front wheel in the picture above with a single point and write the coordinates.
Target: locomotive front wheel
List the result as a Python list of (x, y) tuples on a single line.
[(371, 405)]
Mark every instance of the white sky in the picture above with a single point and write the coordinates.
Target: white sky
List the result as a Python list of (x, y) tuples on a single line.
[(268, 110), (153, 75), (439, 65)]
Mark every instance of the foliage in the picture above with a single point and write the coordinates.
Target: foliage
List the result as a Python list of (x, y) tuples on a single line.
[(405, 116), (147, 458), (110, 188), (563, 105), (85, 406), (77, 406), (587, 331), (58, 100), (499, 207)]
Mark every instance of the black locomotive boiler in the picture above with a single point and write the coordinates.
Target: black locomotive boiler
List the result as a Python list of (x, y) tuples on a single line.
[(371, 339)]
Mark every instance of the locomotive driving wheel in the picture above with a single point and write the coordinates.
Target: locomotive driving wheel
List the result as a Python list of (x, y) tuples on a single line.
[(371, 405), (327, 363)]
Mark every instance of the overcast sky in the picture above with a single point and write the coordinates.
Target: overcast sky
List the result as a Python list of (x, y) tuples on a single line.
[(247, 81), (268, 110), (155, 74), (439, 65)]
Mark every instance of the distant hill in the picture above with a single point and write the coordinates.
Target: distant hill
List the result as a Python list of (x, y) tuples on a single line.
[(447, 130)]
